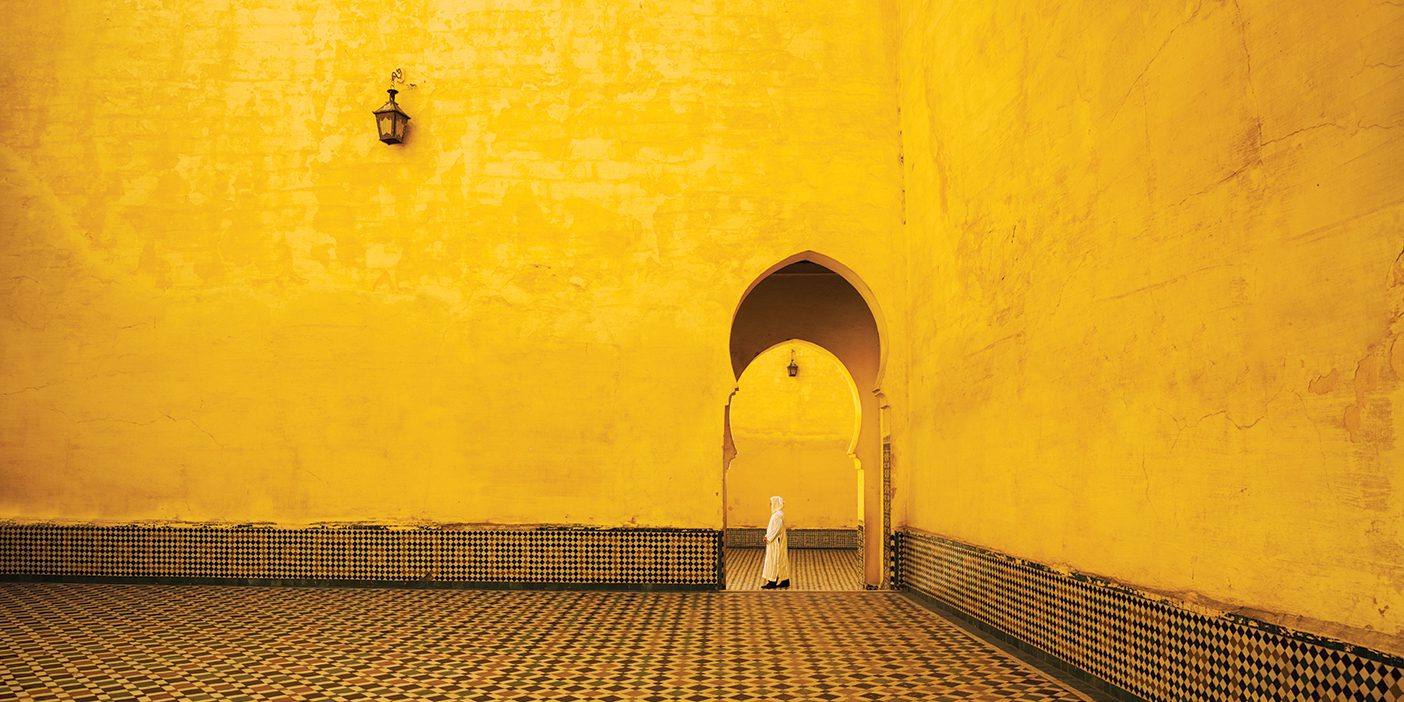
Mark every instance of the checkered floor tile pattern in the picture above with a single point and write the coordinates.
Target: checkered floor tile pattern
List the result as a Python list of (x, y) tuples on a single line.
[(107, 642), (813, 570)]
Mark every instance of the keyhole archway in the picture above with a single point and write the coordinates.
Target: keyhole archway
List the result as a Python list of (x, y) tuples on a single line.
[(814, 298)]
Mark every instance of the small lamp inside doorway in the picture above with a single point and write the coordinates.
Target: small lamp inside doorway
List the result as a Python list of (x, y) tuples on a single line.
[(391, 121), (793, 367)]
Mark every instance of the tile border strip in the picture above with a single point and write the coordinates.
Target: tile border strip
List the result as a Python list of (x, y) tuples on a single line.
[(1096, 688), (751, 537), (367, 555), (1162, 648), (372, 584)]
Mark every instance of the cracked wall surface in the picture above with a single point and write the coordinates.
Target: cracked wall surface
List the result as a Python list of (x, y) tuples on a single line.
[(222, 299), (1156, 296)]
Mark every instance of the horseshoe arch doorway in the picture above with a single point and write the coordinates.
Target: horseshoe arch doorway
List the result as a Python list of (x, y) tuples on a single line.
[(813, 298)]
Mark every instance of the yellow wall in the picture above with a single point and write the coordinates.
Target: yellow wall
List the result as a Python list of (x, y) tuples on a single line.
[(1152, 255), (1157, 288), (223, 299), (793, 438)]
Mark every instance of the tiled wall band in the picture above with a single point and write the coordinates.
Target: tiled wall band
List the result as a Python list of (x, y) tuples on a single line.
[(544, 555), (798, 538), (1153, 649), (887, 511)]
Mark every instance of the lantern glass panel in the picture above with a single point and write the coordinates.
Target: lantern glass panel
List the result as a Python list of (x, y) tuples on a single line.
[(390, 121)]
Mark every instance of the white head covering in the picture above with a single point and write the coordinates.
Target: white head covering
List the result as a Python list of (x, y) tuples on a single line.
[(777, 519)]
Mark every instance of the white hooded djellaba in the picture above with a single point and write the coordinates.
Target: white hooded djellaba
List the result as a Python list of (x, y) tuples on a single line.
[(777, 545)]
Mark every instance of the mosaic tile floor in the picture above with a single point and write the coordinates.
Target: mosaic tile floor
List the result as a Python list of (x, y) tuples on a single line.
[(106, 642), (812, 569)]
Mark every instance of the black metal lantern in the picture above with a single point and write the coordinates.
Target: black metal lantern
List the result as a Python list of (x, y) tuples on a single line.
[(391, 121), (793, 367)]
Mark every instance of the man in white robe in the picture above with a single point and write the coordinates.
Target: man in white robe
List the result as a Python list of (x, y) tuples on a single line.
[(776, 569)]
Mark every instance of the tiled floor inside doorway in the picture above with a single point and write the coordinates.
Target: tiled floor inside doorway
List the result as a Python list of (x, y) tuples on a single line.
[(157, 642), (812, 569)]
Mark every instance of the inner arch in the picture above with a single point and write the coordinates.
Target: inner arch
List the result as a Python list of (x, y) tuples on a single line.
[(795, 436)]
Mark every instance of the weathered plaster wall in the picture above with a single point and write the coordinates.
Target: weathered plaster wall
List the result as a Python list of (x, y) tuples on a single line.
[(793, 438), (223, 299), (1157, 287)]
